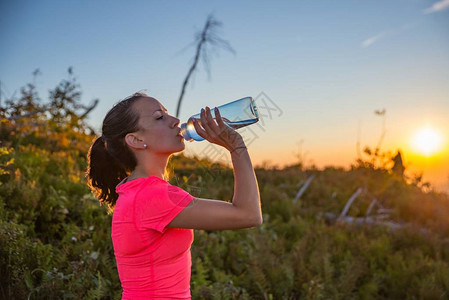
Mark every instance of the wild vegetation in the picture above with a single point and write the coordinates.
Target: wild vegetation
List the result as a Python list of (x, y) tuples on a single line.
[(55, 238)]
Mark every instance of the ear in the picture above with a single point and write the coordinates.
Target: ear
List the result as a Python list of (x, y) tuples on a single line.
[(134, 142)]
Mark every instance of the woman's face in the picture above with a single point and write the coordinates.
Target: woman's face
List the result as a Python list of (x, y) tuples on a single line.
[(158, 129)]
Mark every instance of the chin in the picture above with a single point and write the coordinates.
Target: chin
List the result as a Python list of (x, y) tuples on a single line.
[(173, 148), (180, 148)]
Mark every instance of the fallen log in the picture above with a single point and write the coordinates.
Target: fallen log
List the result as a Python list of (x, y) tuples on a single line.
[(303, 188)]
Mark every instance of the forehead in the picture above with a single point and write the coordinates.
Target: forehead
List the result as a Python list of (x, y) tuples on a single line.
[(148, 105)]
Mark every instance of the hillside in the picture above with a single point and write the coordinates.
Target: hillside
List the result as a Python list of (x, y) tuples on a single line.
[(55, 238)]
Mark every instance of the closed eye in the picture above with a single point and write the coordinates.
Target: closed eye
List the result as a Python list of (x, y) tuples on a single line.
[(160, 118)]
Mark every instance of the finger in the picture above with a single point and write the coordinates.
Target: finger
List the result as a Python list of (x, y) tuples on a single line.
[(199, 129), (211, 122), (205, 122), (225, 129), (209, 117), (219, 119)]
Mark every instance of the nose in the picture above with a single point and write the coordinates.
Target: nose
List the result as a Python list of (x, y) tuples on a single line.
[(176, 122)]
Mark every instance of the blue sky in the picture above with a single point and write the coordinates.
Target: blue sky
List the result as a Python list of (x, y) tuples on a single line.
[(326, 64)]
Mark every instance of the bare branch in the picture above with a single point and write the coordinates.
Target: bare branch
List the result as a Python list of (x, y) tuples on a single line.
[(28, 114), (204, 38), (89, 108)]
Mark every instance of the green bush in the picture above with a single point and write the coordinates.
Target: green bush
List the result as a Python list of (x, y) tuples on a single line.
[(55, 238)]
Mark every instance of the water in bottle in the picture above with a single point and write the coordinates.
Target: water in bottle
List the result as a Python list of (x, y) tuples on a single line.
[(236, 114)]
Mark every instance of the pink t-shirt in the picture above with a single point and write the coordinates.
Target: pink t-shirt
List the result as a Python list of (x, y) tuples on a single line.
[(153, 260)]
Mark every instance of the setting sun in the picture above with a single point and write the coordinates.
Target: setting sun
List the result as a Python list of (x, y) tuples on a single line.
[(427, 141)]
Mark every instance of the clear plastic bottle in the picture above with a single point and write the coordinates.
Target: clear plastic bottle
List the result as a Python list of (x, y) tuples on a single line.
[(235, 114)]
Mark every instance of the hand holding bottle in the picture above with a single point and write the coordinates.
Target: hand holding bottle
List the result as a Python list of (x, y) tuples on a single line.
[(236, 114), (217, 132)]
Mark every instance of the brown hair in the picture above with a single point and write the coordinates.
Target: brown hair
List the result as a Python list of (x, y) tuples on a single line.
[(109, 158)]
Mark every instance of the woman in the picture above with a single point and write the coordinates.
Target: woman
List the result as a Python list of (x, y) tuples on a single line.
[(152, 220)]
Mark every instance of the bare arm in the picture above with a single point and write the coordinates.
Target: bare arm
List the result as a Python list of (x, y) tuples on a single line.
[(245, 210)]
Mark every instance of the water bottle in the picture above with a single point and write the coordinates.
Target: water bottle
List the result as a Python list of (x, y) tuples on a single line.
[(235, 114)]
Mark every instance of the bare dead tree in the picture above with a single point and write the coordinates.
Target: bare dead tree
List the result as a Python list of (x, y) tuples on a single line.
[(208, 36)]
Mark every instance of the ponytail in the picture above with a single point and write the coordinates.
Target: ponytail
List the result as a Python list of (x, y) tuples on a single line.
[(104, 174), (109, 158)]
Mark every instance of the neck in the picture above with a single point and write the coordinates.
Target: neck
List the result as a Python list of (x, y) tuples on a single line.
[(151, 164)]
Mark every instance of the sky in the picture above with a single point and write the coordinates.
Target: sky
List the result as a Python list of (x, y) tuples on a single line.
[(318, 70)]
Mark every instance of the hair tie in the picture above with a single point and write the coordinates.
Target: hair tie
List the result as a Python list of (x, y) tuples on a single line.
[(104, 142)]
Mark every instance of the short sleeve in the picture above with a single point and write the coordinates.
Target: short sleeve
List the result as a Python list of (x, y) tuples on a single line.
[(157, 204)]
